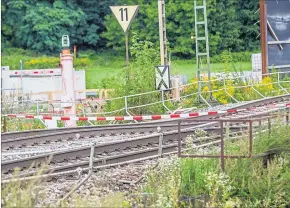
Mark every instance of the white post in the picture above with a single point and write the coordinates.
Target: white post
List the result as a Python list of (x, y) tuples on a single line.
[(68, 88)]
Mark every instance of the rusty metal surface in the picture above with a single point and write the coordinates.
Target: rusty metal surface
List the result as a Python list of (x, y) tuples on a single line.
[(222, 155)]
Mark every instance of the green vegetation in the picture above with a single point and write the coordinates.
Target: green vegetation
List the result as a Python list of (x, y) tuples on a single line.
[(181, 182), (245, 182), (103, 65), (139, 77), (39, 25)]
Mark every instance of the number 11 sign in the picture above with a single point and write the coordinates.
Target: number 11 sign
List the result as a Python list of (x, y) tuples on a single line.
[(125, 15)]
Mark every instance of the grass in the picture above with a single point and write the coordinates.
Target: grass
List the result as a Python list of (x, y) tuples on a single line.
[(104, 65), (245, 182), (99, 71)]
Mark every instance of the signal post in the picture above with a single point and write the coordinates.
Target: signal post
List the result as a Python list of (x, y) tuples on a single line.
[(68, 87)]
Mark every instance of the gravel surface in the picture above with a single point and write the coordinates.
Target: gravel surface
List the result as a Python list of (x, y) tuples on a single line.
[(101, 184)]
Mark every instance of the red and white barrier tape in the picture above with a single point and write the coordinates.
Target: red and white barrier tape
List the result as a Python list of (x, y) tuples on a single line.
[(36, 72), (137, 118)]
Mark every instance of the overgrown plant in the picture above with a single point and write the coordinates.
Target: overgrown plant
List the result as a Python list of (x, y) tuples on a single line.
[(138, 77), (245, 183)]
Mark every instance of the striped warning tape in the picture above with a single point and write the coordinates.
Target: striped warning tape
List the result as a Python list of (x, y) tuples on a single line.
[(35, 72), (137, 118)]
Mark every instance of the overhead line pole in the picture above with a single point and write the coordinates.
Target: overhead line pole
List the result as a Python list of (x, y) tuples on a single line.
[(162, 31), (264, 44)]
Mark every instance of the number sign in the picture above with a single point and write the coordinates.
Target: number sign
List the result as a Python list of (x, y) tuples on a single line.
[(125, 15)]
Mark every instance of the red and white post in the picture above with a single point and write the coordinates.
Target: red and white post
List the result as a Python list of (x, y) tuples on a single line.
[(68, 88)]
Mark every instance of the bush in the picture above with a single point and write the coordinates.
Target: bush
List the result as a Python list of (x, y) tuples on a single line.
[(17, 51), (81, 62), (245, 183), (42, 63), (233, 57), (139, 77), (12, 56)]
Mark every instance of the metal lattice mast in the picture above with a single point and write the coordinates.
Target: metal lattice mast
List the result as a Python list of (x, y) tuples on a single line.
[(200, 54)]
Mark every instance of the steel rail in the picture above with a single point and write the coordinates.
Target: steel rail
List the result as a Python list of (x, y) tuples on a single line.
[(13, 135), (110, 161), (84, 151), (109, 147), (93, 132), (113, 160), (101, 161), (71, 154)]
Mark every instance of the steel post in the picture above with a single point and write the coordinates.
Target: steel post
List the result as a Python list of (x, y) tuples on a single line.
[(160, 144), (22, 94), (179, 138), (127, 48), (162, 31), (222, 146), (126, 105), (37, 107), (264, 44), (251, 138), (269, 126), (92, 157)]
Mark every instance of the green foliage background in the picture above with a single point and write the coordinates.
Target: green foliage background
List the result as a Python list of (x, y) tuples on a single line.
[(39, 24)]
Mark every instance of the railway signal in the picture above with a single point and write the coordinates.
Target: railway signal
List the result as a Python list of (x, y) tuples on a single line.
[(125, 16), (65, 41), (162, 75)]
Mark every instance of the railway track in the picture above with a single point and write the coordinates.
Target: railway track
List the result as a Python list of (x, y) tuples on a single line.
[(87, 133), (169, 139), (72, 154), (35, 137)]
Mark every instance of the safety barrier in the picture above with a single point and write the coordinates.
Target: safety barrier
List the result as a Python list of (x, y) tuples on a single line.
[(139, 117), (125, 99)]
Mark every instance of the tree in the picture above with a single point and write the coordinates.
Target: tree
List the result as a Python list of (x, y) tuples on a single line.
[(43, 23), (229, 23), (39, 24)]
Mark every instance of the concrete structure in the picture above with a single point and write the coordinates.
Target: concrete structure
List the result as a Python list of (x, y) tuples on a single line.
[(68, 87), (43, 84)]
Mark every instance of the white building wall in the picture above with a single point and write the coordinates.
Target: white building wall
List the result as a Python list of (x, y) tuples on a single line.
[(40, 82)]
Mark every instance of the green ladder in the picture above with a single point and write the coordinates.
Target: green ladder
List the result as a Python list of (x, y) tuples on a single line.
[(202, 53)]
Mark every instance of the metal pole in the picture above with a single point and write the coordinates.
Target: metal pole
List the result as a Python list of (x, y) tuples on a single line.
[(207, 47), (21, 68), (162, 31), (92, 157), (264, 44), (251, 137), (179, 138), (269, 126), (85, 179), (37, 107), (160, 141), (127, 48), (222, 147), (4, 124), (162, 98)]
